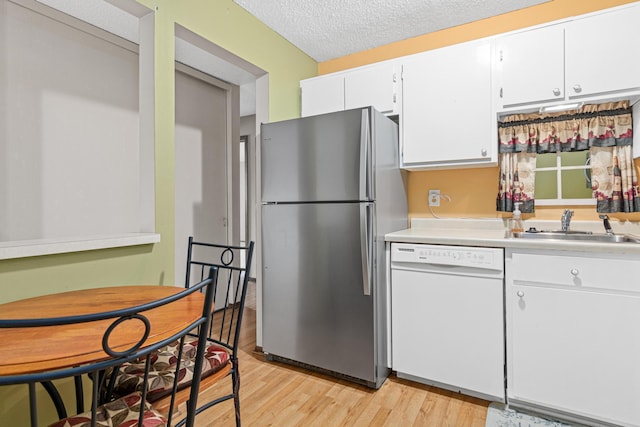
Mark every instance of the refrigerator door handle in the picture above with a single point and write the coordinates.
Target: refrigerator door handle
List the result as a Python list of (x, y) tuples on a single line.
[(365, 248), (365, 138)]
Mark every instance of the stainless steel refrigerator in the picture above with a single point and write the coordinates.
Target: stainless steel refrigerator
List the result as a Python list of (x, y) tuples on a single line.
[(331, 189)]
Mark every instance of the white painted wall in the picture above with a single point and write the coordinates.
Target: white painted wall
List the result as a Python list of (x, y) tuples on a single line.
[(69, 130)]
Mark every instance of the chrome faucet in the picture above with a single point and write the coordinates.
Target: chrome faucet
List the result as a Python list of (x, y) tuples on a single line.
[(566, 219), (607, 224)]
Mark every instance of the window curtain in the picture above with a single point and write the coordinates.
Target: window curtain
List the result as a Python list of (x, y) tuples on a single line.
[(604, 129), (517, 171)]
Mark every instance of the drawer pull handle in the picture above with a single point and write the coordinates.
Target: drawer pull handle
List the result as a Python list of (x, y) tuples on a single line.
[(575, 271), (520, 294)]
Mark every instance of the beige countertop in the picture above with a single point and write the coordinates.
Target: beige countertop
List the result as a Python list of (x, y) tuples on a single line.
[(492, 232)]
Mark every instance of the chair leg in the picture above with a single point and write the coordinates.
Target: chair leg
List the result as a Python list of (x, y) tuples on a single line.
[(235, 378)]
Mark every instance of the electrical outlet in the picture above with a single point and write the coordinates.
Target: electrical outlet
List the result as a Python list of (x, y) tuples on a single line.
[(434, 197)]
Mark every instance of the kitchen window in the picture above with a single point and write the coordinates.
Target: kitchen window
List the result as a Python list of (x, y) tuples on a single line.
[(575, 157), (563, 179)]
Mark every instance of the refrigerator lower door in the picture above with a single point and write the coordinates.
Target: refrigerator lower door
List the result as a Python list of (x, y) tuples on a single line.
[(315, 308)]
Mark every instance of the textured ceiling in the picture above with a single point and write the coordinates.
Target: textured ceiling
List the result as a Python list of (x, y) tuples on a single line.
[(327, 29)]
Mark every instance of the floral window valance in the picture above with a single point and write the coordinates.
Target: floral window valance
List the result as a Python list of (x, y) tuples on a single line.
[(604, 129)]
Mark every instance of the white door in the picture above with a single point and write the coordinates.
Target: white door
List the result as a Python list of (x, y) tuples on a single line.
[(200, 166)]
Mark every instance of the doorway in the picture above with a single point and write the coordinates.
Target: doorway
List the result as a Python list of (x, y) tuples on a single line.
[(253, 83), (201, 175)]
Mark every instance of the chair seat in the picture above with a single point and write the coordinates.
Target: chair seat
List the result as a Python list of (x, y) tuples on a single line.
[(123, 412), (163, 364), (182, 396)]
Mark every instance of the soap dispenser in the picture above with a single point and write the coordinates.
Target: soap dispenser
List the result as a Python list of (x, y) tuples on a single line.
[(516, 219)]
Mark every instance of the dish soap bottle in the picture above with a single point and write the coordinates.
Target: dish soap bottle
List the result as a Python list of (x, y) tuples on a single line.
[(516, 219)]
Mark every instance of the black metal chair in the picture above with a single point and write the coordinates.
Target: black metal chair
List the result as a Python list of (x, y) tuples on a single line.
[(234, 266), (136, 406), (221, 354)]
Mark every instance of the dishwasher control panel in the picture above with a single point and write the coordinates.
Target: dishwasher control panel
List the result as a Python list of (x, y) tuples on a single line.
[(485, 258)]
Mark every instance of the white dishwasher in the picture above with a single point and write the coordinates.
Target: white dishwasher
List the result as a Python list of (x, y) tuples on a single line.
[(447, 317)]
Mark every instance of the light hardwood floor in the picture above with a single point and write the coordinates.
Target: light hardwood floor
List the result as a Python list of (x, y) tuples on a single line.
[(276, 394)]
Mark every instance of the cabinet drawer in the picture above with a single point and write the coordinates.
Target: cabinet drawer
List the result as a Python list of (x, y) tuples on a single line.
[(576, 270)]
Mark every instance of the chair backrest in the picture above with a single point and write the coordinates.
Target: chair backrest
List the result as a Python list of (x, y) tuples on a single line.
[(234, 264), (114, 358)]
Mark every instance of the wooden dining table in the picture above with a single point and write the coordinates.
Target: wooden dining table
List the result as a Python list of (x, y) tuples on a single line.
[(47, 348)]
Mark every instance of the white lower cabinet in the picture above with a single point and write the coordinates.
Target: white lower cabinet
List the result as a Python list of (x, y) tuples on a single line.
[(573, 335)]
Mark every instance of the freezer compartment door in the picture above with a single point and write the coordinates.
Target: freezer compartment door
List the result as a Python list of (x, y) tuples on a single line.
[(315, 307), (318, 159)]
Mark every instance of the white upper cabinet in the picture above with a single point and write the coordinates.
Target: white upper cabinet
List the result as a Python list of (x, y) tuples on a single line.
[(530, 66), (601, 54), (589, 58), (323, 94), (374, 85), (448, 99), (447, 119)]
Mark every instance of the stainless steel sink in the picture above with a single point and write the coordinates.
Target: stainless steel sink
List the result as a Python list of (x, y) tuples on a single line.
[(585, 236)]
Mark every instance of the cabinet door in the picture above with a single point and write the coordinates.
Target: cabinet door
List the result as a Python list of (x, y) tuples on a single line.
[(322, 95), (374, 85), (446, 107), (531, 66), (575, 351), (601, 55)]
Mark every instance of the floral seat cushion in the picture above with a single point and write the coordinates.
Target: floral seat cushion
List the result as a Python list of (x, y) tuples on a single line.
[(123, 412), (162, 372)]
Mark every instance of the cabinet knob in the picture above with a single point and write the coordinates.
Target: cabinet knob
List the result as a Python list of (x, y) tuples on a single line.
[(556, 91), (575, 272), (520, 294), (577, 88), (484, 152)]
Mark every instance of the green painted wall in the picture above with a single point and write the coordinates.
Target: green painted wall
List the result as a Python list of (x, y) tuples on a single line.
[(229, 26)]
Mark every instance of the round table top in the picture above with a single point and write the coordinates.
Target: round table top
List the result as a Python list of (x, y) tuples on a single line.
[(46, 348)]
